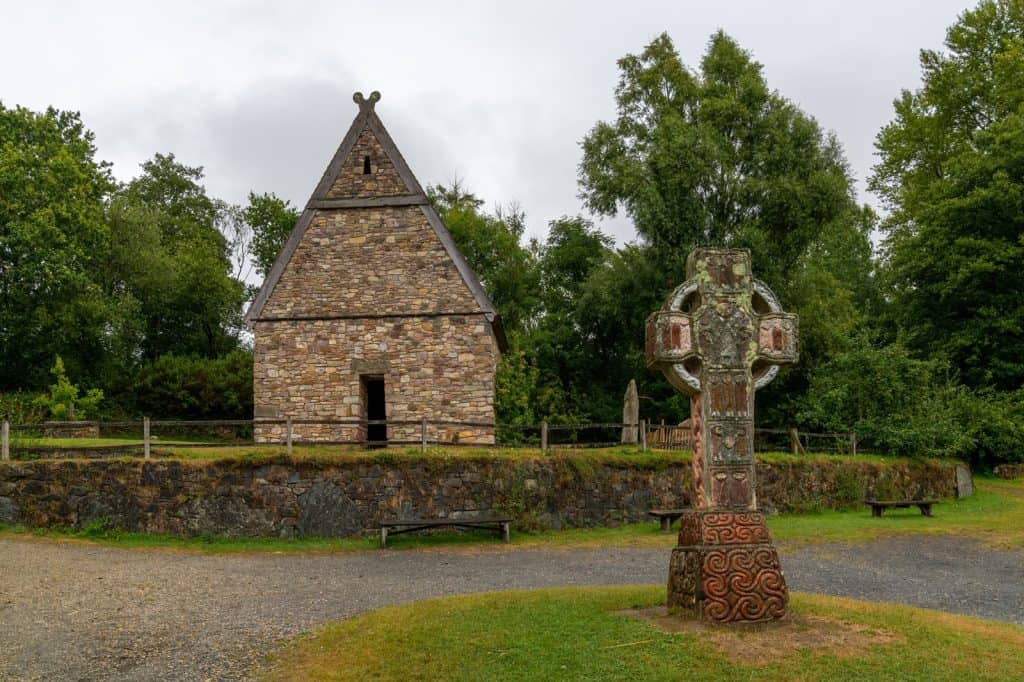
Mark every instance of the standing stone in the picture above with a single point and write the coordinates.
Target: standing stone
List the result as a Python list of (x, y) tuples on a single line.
[(720, 336), (964, 482), (630, 413)]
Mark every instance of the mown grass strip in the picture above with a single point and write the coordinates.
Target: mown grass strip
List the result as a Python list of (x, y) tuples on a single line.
[(576, 633)]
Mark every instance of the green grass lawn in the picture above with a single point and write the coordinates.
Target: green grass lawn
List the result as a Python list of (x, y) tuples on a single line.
[(577, 634), (184, 448), (994, 515)]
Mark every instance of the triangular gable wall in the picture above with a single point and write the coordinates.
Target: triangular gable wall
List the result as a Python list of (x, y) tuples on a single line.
[(324, 198)]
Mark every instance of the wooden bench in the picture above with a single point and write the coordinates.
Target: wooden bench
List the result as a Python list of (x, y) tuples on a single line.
[(878, 506), (667, 517), (396, 527)]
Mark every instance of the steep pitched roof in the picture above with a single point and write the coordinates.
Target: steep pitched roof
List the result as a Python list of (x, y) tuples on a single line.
[(367, 119)]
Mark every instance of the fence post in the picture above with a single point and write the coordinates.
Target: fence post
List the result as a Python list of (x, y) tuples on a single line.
[(5, 440), (145, 437), (423, 435), (853, 443), (288, 435), (643, 435), (794, 441), (544, 437)]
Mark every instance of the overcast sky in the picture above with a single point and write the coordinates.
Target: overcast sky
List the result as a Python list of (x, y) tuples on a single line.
[(498, 94)]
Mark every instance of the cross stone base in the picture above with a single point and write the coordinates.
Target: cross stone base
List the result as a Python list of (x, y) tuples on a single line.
[(725, 569)]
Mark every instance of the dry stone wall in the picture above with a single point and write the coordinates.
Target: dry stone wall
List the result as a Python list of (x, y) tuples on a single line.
[(1009, 471), (347, 497)]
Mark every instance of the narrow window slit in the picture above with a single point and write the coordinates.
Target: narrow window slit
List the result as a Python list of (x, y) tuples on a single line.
[(366, 165)]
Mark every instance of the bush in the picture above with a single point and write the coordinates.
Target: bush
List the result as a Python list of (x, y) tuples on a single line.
[(991, 426), (21, 408), (195, 388), (63, 401), (908, 407)]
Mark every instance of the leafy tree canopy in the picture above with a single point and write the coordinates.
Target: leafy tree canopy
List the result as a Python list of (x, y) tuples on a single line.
[(491, 245), (271, 220), (52, 234), (951, 171), (714, 158)]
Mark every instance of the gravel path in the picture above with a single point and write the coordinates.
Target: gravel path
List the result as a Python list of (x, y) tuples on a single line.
[(80, 612)]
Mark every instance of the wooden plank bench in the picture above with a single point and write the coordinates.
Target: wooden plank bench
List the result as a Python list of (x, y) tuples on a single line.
[(397, 527), (667, 517), (878, 506)]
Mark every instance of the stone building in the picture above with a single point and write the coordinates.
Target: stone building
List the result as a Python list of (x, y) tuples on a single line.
[(371, 312)]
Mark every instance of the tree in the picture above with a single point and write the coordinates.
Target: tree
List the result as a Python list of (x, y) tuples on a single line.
[(63, 401), (189, 302), (569, 374), (52, 234), (952, 175), (491, 245), (714, 158), (271, 220), (574, 247)]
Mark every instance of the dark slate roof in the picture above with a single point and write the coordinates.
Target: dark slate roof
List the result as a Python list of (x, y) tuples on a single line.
[(367, 118)]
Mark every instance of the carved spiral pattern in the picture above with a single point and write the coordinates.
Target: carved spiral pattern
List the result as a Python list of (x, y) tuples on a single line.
[(697, 427), (743, 584), (734, 529)]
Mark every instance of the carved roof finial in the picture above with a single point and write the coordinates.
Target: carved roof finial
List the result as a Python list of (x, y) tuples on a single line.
[(366, 103)]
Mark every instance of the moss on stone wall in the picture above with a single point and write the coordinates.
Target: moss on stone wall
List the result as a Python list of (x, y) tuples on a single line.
[(285, 496)]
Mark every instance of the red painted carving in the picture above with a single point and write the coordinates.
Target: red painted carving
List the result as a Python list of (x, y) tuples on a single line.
[(730, 443), (776, 338), (729, 394), (740, 395), (743, 584), (731, 488), (697, 438), (726, 528)]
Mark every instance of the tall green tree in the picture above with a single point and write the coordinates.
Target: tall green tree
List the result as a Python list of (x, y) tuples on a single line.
[(714, 157), (571, 380), (271, 220), (52, 235), (192, 303), (951, 172), (491, 243)]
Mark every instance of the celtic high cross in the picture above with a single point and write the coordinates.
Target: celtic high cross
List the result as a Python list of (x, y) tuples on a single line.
[(720, 336)]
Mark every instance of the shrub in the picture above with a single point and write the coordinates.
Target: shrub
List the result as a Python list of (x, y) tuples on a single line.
[(21, 408), (63, 401), (195, 388), (908, 407)]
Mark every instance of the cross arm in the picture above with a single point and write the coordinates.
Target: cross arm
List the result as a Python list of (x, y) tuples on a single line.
[(669, 338), (778, 338)]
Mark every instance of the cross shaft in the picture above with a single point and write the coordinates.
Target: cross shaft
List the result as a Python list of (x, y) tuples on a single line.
[(720, 336)]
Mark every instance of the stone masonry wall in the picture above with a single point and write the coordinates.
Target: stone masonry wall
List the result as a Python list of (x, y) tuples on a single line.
[(369, 261), (402, 311), (383, 180), (441, 368), (350, 496)]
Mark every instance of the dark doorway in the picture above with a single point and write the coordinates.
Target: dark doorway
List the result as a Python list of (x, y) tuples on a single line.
[(375, 409)]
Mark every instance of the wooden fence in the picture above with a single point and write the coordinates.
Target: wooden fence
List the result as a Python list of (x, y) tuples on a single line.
[(142, 435)]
